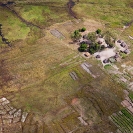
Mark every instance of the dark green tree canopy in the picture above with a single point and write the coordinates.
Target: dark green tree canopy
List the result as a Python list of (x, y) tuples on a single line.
[(83, 47)]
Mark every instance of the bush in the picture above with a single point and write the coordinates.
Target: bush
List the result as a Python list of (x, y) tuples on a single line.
[(76, 35), (94, 48), (98, 31), (82, 30), (92, 36), (83, 47)]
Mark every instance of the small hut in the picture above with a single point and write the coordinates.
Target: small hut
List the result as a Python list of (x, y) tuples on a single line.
[(123, 44), (112, 60), (119, 41), (85, 37), (116, 55), (87, 54), (86, 42), (100, 42), (106, 61), (98, 56), (127, 51)]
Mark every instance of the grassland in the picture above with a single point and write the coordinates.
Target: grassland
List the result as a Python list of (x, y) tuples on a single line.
[(35, 70), (112, 13)]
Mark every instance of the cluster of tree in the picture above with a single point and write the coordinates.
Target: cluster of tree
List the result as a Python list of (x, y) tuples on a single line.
[(76, 35), (109, 38), (95, 47), (83, 47), (3, 38)]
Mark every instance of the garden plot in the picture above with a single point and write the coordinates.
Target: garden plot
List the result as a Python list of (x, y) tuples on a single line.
[(124, 118), (85, 66), (73, 75), (57, 34), (11, 117)]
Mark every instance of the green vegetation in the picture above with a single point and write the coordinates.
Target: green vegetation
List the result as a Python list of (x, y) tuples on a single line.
[(108, 66), (113, 13), (109, 38), (131, 96), (123, 120), (76, 35), (83, 47), (92, 36), (38, 66), (94, 48), (98, 31), (82, 30)]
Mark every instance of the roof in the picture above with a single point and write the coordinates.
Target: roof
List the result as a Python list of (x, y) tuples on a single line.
[(106, 61), (119, 41), (86, 42), (98, 56), (112, 60), (87, 54), (126, 51), (123, 44)]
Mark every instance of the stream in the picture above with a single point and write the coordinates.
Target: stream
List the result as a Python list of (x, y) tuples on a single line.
[(70, 5)]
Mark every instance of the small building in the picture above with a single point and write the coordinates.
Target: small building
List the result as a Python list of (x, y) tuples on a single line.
[(126, 51), (86, 42), (85, 37), (112, 60), (106, 61), (100, 42), (98, 56), (123, 44), (116, 55), (87, 54), (119, 41)]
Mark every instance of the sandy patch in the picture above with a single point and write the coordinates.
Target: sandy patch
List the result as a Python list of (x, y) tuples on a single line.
[(107, 53)]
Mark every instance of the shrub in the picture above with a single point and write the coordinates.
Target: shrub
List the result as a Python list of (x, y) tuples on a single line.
[(92, 36), (98, 31), (76, 35), (94, 48), (82, 30), (83, 47)]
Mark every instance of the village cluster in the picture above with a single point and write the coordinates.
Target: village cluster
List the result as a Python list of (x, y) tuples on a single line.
[(103, 46)]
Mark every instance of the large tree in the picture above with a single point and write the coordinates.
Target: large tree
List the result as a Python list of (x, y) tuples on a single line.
[(83, 47), (92, 36), (76, 35)]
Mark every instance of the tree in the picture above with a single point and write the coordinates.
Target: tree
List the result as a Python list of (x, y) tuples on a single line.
[(94, 48), (83, 47), (92, 36), (98, 31), (76, 35), (82, 30)]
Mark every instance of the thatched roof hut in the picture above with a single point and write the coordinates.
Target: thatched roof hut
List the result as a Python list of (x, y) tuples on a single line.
[(87, 54), (85, 37), (119, 41), (116, 55), (123, 44), (98, 56), (86, 42), (127, 51), (112, 60), (106, 61)]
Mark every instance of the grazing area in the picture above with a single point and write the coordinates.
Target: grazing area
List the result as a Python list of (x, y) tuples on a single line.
[(66, 66)]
